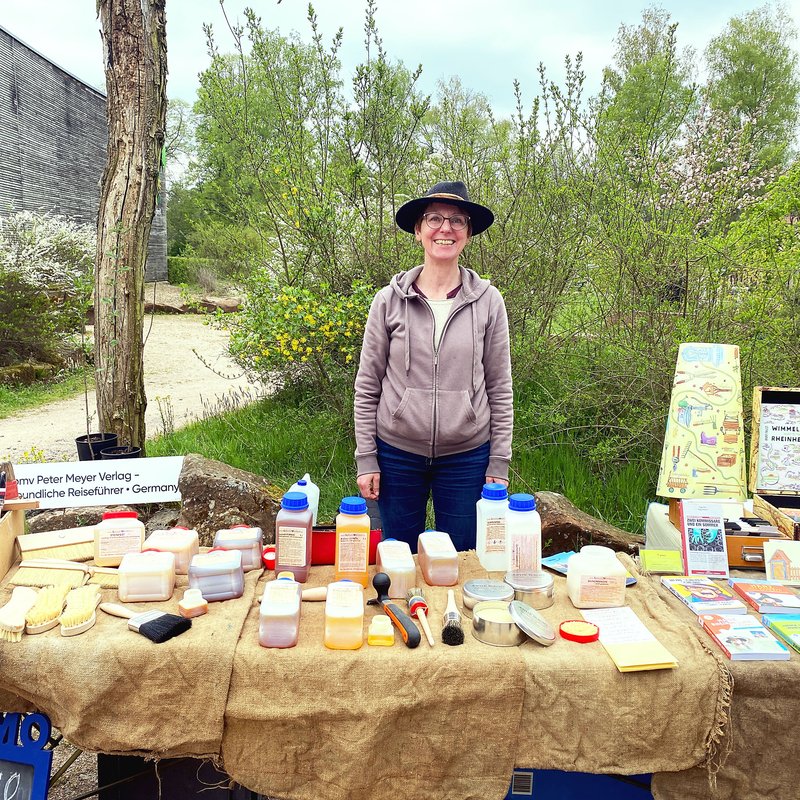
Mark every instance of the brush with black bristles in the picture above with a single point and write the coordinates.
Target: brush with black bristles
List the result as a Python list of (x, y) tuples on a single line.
[(157, 626), (452, 632)]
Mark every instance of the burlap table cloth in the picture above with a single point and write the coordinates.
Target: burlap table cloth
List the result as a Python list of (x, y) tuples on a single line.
[(114, 691), (452, 722), (757, 761)]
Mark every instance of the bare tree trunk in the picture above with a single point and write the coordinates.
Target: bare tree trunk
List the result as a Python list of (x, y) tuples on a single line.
[(135, 52)]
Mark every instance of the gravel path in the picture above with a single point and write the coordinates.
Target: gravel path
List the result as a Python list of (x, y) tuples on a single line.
[(185, 368)]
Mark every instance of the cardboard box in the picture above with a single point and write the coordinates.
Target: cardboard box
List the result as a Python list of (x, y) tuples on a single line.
[(774, 496)]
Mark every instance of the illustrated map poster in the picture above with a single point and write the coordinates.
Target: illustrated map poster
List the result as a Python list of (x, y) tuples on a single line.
[(779, 448), (703, 453)]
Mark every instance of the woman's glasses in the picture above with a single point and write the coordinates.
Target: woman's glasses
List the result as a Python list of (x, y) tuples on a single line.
[(435, 221)]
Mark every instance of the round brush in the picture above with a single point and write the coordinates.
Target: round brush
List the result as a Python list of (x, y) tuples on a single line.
[(452, 632), (419, 608)]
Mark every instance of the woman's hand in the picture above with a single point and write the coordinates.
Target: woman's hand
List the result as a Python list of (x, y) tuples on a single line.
[(369, 485), (492, 479)]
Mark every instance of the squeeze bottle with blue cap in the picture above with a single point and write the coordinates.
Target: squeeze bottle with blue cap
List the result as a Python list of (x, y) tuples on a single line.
[(311, 491), (523, 534), (491, 527), (352, 541), (293, 536)]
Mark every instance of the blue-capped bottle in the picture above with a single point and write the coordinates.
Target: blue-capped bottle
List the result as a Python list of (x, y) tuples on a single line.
[(352, 541), (491, 527), (293, 536), (523, 534)]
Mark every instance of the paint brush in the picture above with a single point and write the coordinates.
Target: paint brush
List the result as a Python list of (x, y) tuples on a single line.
[(419, 608), (157, 626), (452, 633)]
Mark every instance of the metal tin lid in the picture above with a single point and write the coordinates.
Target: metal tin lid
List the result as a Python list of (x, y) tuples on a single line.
[(532, 623), (529, 580), (480, 589)]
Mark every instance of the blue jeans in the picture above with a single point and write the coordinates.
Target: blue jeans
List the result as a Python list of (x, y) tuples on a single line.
[(455, 483)]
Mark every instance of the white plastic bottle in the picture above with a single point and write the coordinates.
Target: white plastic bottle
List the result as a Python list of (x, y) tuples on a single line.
[(395, 559), (596, 578), (491, 528), (438, 558), (279, 616), (311, 491), (344, 616), (523, 534)]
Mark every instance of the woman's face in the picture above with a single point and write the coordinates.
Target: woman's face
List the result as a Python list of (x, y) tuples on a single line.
[(444, 243)]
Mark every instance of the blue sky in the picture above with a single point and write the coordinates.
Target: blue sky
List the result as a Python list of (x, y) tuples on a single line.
[(487, 44)]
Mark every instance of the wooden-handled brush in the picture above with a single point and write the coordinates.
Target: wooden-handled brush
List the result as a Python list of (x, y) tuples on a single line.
[(419, 608), (157, 626), (452, 632)]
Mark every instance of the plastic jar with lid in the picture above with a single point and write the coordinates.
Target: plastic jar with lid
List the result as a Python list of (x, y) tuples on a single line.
[(120, 532), (351, 561), (293, 536), (596, 578), (491, 527), (181, 541), (395, 559), (344, 616), (279, 614), (523, 534)]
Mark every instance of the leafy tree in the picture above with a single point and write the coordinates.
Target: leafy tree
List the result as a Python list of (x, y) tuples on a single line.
[(753, 76)]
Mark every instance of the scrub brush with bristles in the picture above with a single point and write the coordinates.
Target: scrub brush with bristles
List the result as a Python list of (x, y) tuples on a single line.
[(12, 614), (43, 615), (452, 633), (79, 615)]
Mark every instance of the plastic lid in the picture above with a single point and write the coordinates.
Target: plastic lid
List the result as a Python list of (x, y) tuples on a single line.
[(285, 576), (294, 501), (302, 482), (494, 491), (353, 505), (532, 623), (268, 556), (120, 515), (529, 580), (521, 502), (579, 630)]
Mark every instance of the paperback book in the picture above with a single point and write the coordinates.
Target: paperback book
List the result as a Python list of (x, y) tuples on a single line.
[(703, 595), (785, 627), (743, 638), (703, 538), (782, 561), (767, 597)]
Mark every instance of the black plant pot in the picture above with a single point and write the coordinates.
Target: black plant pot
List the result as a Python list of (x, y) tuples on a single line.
[(109, 453), (89, 447)]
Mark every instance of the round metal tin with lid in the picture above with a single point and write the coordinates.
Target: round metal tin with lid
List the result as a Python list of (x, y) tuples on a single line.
[(532, 587), (480, 590), (504, 624)]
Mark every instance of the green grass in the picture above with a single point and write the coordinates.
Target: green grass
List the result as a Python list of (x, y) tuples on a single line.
[(282, 439), (14, 399)]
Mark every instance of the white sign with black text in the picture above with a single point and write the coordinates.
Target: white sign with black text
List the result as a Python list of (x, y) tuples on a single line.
[(71, 484)]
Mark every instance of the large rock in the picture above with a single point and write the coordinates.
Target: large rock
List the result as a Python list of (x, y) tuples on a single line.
[(58, 519), (566, 527), (216, 496)]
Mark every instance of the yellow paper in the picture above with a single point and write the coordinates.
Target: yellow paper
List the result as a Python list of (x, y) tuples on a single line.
[(662, 561), (703, 452)]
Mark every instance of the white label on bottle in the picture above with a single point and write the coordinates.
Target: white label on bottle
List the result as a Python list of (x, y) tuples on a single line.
[(353, 551), (291, 550), (285, 595), (495, 535), (118, 542), (344, 597), (438, 545), (602, 589)]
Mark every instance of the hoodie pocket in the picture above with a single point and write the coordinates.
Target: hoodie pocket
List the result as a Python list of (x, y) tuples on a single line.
[(413, 417), (456, 418)]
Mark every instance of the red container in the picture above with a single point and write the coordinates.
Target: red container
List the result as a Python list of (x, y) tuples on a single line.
[(323, 545)]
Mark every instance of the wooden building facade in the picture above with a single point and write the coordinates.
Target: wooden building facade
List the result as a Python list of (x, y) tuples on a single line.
[(53, 136)]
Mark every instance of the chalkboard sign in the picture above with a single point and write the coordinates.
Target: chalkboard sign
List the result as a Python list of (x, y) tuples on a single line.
[(24, 763)]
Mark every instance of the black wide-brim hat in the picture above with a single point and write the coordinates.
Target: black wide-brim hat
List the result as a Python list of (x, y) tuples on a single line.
[(453, 192)]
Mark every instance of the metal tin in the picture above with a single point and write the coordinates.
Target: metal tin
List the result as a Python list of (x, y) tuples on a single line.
[(532, 622), (480, 590), (532, 587), (493, 624)]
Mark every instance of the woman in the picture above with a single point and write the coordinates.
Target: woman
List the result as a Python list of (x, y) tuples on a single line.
[(433, 400)]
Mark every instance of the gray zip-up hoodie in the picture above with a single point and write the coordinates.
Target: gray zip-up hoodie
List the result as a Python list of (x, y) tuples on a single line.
[(435, 402)]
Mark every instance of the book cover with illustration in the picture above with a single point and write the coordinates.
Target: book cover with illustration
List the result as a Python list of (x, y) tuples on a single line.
[(785, 626), (703, 595), (782, 561), (766, 597), (703, 544), (703, 454), (743, 638)]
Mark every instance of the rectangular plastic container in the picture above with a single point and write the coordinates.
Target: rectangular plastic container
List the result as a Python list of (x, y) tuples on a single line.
[(241, 537), (279, 615), (146, 577), (184, 543), (438, 558), (395, 559), (344, 616), (217, 574)]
